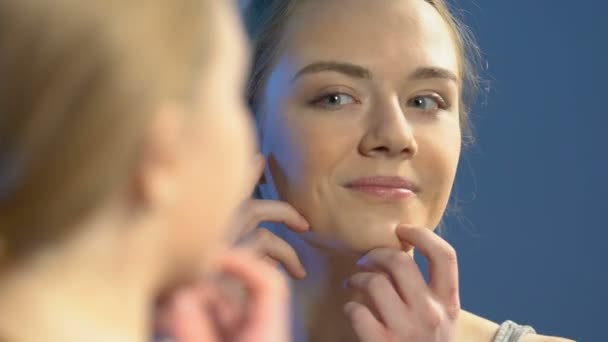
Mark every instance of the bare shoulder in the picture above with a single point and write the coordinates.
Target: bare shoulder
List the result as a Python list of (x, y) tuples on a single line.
[(471, 327), (541, 338)]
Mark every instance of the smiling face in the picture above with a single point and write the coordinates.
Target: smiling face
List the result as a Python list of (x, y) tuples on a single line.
[(361, 119)]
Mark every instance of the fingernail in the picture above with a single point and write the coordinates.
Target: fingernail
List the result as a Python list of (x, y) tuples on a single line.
[(361, 261), (302, 272)]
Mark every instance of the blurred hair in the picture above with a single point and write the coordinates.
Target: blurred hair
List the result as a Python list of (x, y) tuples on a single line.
[(80, 82)]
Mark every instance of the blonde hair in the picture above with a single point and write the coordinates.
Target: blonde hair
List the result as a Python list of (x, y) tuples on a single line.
[(80, 81), (265, 21)]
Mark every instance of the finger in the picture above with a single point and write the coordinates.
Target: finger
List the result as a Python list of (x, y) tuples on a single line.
[(363, 322), (188, 323), (267, 244), (255, 211), (224, 299), (387, 303), (443, 264), (267, 317), (272, 262), (403, 271)]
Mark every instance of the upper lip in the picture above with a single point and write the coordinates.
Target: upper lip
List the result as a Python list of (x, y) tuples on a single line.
[(395, 182)]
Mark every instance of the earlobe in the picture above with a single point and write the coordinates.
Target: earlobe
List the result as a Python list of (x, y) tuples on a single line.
[(260, 165), (158, 167)]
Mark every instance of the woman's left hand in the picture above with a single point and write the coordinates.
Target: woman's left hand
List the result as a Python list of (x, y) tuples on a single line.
[(248, 301), (403, 307)]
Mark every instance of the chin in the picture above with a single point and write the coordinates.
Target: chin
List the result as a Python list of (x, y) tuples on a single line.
[(348, 241)]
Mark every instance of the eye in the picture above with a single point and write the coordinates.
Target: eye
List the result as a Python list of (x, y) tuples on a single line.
[(334, 100), (428, 103)]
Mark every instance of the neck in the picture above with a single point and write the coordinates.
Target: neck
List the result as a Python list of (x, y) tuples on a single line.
[(85, 290), (319, 298)]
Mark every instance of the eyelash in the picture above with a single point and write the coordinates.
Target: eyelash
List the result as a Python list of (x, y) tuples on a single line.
[(317, 100), (441, 103)]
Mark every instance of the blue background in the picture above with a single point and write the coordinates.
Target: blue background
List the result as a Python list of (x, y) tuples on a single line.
[(532, 191)]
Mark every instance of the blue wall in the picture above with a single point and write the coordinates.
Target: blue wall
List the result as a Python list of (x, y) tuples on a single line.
[(533, 190)]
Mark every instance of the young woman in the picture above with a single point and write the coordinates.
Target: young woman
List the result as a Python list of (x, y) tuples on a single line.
[(122, 145), (361, 110)]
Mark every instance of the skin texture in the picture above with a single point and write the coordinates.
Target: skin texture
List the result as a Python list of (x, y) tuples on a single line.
[(390, 109)]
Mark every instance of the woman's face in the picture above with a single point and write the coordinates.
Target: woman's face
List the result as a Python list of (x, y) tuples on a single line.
[(361, 124)]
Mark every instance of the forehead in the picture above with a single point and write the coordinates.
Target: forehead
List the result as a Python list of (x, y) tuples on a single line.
[(383, 35)]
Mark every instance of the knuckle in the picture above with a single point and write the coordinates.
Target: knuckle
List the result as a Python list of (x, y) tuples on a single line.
[(377, 282), (452, 311), (434, 318), (398, 261), (284, 206), (358, 312), (255, 212), (449, 253), (289, 251), (249, 208), (453, 293), (264, 235), (452, 307)]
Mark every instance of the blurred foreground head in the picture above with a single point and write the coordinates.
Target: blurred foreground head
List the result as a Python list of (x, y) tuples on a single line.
[(122, 118)]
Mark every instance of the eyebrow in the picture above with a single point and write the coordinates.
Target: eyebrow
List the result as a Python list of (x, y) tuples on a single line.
[(357, 71), (434, 72), (347, 69)]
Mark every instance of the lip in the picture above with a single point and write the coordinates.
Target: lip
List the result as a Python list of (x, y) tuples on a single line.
[(384, 187)]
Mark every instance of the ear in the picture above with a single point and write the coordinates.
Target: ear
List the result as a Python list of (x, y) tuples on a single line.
[(157, 172), (258, 169)]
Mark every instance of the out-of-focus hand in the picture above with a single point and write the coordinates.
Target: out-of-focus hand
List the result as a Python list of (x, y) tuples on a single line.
[(247, 301)]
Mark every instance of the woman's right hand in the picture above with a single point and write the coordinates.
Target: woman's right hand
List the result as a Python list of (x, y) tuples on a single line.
[(262, 241)]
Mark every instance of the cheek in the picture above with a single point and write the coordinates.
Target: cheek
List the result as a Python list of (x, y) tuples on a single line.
[(231, 152), (305, 151), (436, 164), (217, 183)]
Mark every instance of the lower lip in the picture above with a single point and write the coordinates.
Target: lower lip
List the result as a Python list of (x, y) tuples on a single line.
[(384, 192)]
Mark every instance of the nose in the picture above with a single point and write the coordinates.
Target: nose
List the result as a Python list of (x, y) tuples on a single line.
[(389, 134)]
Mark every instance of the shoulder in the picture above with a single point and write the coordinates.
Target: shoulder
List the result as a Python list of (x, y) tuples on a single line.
[(541, 338), (471, 327)]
